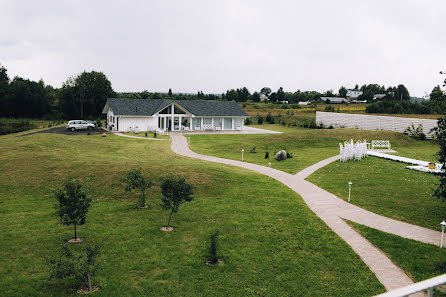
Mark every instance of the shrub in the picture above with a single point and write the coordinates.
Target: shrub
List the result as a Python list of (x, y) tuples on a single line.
[(267, 155), (253, 150), (213, 248), (134, 179), (329, 108), (260, 120), (248, 121), (330, 127), (81, 266), (98, 123), (269, 118), (415, 133)]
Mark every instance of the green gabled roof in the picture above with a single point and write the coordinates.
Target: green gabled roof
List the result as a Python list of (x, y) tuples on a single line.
[(148, 107)]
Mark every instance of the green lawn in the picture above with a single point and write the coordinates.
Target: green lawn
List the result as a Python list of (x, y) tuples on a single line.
[(272, 244), (307, 146), (385, 187), (419, 260)]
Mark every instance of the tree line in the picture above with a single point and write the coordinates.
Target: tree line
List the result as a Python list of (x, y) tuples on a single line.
[(84, 95), (81, 96)]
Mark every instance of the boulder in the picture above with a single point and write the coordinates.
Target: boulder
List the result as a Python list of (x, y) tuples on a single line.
[(280, 155)]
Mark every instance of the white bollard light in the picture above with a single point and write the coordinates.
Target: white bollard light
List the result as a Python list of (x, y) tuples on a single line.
[(242, 154), (269, 164), (349, 190), (443, 226)]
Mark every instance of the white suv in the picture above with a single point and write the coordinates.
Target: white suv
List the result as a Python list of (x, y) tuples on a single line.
[(79, 125)]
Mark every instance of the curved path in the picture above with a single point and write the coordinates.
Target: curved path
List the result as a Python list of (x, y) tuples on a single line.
[(332, 210)]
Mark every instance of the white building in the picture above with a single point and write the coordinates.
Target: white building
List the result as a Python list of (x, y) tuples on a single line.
[(263, 97), (334, 100), (353, 93), (127, 115)]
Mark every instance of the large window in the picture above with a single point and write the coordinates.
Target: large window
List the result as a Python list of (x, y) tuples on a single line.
[(238, 123), (228, 124), (178, 110), (217, 123), (207, 121), (167, 110), (185, 123), (196, 123)]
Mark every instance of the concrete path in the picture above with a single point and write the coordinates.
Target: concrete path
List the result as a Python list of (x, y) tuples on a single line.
[(246, 130), (331, 210), (138, 137)]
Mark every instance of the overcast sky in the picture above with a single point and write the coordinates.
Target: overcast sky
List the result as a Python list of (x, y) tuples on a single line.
[(216, 45)]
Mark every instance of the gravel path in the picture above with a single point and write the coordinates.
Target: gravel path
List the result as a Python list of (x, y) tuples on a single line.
[(332, 210)]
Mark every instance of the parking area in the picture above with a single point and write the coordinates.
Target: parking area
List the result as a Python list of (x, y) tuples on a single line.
[(63, 130)]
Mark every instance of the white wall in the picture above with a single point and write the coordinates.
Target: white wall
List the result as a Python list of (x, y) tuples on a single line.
[(371, 122), (109, 114), (128, 123)]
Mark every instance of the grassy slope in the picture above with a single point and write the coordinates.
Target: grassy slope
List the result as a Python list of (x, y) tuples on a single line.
[(273, 245), (308, 146), (419, 260), (385, 187)]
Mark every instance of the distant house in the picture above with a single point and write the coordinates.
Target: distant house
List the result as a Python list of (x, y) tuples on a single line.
[(304, 103), (334, 100), (358, 101), (379, 96), (263, 97), (173, 115), (353, 93), (284, 101)]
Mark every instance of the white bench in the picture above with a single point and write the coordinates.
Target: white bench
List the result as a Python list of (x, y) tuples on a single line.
[(208, 127), (380, 144)]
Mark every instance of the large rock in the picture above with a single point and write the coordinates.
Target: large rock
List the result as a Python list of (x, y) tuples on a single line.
[(280, 155)]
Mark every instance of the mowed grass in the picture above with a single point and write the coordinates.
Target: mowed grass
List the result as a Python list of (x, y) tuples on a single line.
[(272, 244), (307, 146), (387, 188), (419, 260)]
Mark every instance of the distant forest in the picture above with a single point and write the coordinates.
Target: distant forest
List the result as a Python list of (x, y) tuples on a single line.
[(83, 96)]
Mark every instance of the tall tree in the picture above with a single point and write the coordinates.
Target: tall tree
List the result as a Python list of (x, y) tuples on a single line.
[(73, 204), (243, 94), (170, 93), (4, 85), (440, 192), (343, 92), (85, 95), (266, 91), (232, 95), (255, 97), (280, 95)]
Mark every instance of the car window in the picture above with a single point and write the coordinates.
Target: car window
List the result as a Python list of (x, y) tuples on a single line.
[(83, 122)]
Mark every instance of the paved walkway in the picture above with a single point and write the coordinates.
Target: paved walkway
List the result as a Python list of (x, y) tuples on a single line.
[(138, 137), (399, 158), (331, 210), (246, 130)]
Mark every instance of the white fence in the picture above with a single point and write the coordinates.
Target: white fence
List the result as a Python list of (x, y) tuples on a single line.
[(426, 285), (371, 122)]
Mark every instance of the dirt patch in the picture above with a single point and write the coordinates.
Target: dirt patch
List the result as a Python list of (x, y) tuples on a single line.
[(84, 291), (64, 131), (74, 241)]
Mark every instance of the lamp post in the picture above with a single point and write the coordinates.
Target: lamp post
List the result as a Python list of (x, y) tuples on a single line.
[(242, 154), (349, 190), (443, 226)]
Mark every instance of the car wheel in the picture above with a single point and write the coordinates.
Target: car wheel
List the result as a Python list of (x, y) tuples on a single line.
[(72, 129)]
